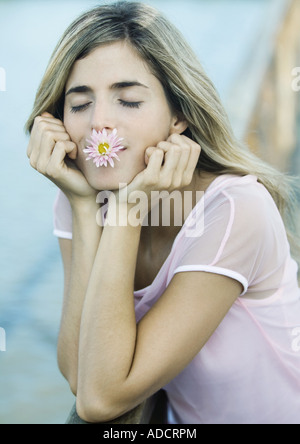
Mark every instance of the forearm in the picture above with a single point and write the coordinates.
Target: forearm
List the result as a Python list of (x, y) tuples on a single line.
[(108, 325), (85, 240)]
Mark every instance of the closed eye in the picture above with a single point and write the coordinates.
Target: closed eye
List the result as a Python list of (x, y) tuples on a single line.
[(76, 109), (130, 104)]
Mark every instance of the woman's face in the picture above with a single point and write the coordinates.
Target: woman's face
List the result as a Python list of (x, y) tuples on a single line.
[(113, 88)]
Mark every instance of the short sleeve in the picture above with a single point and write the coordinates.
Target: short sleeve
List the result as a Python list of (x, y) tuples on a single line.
[(243, 238), (62, 217)]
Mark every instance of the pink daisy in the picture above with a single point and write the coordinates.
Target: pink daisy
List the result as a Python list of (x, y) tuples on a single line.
[(103, 147)]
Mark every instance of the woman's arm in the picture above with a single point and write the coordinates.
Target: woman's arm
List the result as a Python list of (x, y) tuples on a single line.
[(78, 258), (51, 153), (121, 363)]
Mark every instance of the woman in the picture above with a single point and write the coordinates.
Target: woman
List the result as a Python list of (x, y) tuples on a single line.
[(210, 314)]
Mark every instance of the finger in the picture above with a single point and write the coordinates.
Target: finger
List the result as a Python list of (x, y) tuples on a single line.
[(152, 172), (47, 118), (53, 121), (172, 157), (176, 159), (42, 153), (190, 152), (149, 152), (56, 162), (182, 164), (73, 154), (179, 139), (164, 145), (42, 124), (50, 117), (192, 163), (42, 141)]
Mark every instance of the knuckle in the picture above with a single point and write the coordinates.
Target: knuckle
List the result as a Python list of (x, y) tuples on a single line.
[(186, 179), (159, 152), (28, 151), (163, 145), (60, 145), (40, 167), (37, 120), (47, 134), (176, 149), (166, 182), (177, 182), (32, 163), (196, 147), (43, 126), (174, 138)]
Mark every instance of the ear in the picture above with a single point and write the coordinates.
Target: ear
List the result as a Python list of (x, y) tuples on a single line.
[(178, 125)]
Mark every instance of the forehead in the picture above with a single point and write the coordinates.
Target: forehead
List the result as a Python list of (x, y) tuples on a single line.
[(108, 63)]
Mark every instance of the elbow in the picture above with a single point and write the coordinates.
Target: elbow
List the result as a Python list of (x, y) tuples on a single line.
[(69, 375), (73, 386), (71, 379), (94, 406), (94, 411)]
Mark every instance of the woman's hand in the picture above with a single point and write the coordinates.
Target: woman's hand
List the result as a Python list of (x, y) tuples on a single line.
[(173, 164), (170, 166), (51, 153)]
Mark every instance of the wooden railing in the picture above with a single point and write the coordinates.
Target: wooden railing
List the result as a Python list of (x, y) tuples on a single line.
[(269, 124)]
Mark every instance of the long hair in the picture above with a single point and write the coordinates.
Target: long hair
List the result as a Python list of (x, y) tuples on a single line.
[(188, 89)]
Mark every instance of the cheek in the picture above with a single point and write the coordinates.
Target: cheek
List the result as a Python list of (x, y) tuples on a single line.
[(157, 129), (77, 136), (161, 120), (71, 128)]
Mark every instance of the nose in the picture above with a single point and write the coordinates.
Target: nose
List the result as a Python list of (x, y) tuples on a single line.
[(102, 118)]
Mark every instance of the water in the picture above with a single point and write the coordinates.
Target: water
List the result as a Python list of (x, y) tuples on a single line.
[(31, 387)]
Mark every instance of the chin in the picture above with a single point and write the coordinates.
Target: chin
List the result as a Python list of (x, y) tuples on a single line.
[(108, 178)]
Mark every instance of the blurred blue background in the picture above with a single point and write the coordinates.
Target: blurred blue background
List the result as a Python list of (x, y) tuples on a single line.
[(235, 41)]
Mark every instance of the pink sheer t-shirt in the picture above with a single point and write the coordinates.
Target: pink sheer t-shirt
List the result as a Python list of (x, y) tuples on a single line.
[(249, 370)]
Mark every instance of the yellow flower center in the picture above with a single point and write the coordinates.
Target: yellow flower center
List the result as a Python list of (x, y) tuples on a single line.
[(103, 148)]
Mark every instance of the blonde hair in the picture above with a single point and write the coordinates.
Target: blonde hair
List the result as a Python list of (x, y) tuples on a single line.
[(187, 87)]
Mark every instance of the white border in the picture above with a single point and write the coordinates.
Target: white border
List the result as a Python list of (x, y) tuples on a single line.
[(217, 270)]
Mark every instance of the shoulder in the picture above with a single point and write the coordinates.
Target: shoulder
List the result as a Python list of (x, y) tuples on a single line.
[(249, 219), (247, 200), (237, 213)]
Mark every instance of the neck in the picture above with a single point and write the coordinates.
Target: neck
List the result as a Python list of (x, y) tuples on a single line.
[(170, 210)]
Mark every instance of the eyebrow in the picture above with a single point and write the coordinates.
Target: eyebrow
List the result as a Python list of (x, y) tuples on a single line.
[(83, 89), (127, 84)]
